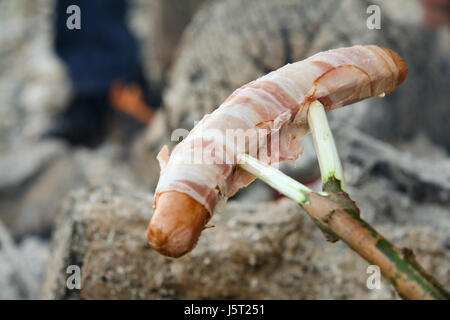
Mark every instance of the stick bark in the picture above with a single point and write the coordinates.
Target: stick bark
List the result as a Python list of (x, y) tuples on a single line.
[(338, 216)]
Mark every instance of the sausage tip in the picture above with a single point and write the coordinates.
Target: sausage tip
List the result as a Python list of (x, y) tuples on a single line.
[(400, 63), (176, 224)]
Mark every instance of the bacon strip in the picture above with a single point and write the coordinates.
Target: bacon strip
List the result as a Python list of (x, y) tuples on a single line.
[(336, 78), (274, 109)]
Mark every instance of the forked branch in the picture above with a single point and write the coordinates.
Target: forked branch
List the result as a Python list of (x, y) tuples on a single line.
[(338, 216)]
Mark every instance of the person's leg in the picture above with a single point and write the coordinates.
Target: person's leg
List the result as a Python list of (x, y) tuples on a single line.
[(99, 54)]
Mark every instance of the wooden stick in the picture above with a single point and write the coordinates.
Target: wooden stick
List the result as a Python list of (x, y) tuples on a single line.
[(338, 217)]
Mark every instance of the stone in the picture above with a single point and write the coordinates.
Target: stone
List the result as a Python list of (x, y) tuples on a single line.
[(422, 179), (255, 251), (24, 162), (21, 266), (159, 26), (35, 178)]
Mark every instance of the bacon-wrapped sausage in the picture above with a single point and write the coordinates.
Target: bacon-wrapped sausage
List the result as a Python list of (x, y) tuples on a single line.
[(201, 171)]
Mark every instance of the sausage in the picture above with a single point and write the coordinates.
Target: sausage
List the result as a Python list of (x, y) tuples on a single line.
[(188, 192)]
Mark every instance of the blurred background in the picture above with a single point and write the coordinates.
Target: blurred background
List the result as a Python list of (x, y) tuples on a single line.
[(84, 112)]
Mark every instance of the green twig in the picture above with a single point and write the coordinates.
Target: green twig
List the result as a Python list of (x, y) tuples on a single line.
[(329, 162), (283, 183), (338, 216)]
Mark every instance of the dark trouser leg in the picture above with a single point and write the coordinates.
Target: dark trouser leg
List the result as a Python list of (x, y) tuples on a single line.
[(102, 52)]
